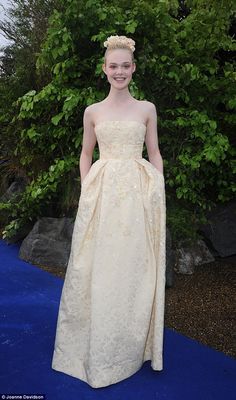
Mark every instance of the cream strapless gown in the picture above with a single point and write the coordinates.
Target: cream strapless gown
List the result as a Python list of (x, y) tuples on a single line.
[(111, 315)]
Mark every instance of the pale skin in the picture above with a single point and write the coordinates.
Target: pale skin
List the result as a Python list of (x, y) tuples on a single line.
[(119, 105)]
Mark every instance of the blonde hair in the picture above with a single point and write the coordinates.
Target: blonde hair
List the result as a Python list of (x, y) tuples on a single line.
[(119, 42)]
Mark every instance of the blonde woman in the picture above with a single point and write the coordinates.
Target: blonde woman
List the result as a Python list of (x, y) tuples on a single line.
[(111, 315)]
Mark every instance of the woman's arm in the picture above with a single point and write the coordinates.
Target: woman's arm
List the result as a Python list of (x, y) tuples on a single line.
[(151, 139), (88, 144)]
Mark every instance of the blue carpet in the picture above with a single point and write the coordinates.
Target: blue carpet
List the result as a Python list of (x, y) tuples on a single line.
[(29, 300)]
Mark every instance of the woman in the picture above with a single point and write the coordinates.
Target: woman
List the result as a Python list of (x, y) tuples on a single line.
[(111, 315)]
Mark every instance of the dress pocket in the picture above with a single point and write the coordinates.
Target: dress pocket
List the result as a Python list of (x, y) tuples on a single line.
[(90, 173), (155, 170)]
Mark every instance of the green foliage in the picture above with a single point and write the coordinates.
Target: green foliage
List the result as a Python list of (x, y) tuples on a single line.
[(39, 190), (184, 222), (184, 65)]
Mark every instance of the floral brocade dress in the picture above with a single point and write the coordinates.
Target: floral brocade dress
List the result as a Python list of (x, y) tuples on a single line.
[(111, 314)]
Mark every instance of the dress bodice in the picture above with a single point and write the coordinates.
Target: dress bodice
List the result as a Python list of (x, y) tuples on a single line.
[(120, 139)]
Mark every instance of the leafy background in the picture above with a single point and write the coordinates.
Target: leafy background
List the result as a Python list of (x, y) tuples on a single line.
[(185, 54)]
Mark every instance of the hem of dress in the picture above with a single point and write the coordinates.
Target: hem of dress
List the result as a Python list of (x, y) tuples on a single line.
[(112, 377)]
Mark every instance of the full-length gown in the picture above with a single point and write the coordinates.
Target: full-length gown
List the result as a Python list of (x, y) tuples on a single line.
[(111, 314)]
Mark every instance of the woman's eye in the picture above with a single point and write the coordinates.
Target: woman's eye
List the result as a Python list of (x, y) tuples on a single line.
[(114, 66)]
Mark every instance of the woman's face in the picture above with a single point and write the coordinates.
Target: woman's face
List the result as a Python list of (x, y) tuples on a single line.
[(119, 67)]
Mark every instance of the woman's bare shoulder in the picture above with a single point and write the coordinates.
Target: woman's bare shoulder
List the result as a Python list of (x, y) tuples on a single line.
[(93, 109), (147, 109), (148, 105)]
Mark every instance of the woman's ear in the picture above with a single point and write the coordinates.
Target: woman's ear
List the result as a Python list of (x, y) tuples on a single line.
[(134, 67), (104, 68)]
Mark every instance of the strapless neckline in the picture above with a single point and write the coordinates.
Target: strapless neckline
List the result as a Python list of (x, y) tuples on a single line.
[(119, 121)]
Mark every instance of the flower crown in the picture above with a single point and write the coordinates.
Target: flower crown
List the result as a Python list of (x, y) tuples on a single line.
[(116, 41)]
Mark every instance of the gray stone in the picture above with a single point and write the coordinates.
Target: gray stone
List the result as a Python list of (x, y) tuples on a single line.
[(201, 253), (184, 261), (16, 187), (187, 257), (49, 242), (220, 231)]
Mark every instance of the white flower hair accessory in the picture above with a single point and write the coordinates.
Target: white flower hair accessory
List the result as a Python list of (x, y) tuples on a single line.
[(116, 41)]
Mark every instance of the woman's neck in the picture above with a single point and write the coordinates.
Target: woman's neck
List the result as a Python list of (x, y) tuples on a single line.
[(119, 96)]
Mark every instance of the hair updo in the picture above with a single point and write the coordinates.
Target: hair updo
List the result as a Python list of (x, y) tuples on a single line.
[(119, 42)]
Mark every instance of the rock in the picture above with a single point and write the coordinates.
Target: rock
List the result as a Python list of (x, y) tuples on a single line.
[(184, 261), (170, 260), (190, 256), (220, 231), (202, 254), (49, 242), (16, 187)]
